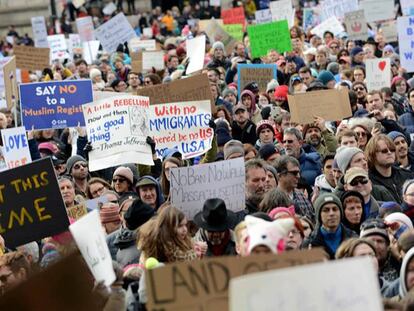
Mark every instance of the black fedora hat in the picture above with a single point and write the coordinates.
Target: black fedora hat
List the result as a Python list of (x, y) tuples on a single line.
[(215, 217)]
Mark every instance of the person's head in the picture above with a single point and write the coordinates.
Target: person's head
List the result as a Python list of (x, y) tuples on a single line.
[(250, 152), (356, 247), (233, 149), (400, 142), (407, 273), (357, 179), (152, 79), (67, 189), (399, 85), (306, 75), (328, 210), (411, 97), (218, 50), (347, 157), (380, 152), (248, 100), (321, 57), (328, 36), (256, 177), (408, 192), (119, 85), (241, 115), (265, 131), (363, 135), (357, 55), (81, 66), (398, 223), (347, 138), (288, 169), (133, 80), (230, 95), (312, 134), (269, 153), (122, 179), (167, 165), (327, 78), (173, 62), (327, 168), (359, 74), (352, 203), (375, 231), (307, 225), (146, 188), (110, 218), (274, 198), (295, 236), (271, 181), (292, 141), (96, 187), (14, 270), (240, 233), (374, 101), (77, 167)]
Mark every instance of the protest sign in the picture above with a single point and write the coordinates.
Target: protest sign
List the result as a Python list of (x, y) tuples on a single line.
[(331, 105), (56, 104), (263, 16), (31, 58), (195, 51), (191, 186), (77, 211), (114, 32), (3, 164), (389, 31), (58, 47), (85, 28), (356, 25), (90, 239), (281, 10), (203, 284), (233, 16), (259, 73), (3, 92), (137, 45), (338, 8), (377, 10), (117, 128), (97, 95), (378, 72), (74, 44), (153, 59), (319, 286), (96, 203), (90, 50), (181, 125), (39, 31), (190, 89), (109, 9), (407, 7), (311, 18), (406, 41), (332, 24), (10, 83), (78, 3), (147, 32), (203, 23), (216, 33), (271, 36), (31, 205), (15, 147), (234, 30)]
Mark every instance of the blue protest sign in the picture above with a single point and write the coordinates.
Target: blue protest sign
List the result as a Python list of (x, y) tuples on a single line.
[(259, 73), (56, 104)]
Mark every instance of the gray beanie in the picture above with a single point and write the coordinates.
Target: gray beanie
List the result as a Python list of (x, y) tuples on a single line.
[(344, 156), (323, 199), (228, 91), (333, 67), (272, 85), (219, 45), (71, 162), (231, 147)]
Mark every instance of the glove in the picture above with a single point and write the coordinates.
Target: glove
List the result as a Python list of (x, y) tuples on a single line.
[(88, 147), (213, 125), (151, 142)]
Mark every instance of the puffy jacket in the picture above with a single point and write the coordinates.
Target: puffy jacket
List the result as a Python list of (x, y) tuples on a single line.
[(310, 166)]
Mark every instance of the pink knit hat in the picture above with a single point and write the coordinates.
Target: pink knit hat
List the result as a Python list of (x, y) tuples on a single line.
[(125, 172), (279, 210)]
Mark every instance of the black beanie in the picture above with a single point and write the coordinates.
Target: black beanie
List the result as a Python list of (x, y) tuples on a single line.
[(138, 214)]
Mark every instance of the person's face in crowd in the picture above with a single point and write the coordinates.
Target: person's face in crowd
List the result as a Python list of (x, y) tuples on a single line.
[(148, 81), (112, 199), (167, 169), (247, 101), (48, 134), (241, 116), (263, 101), (218, 53), (231, 98), (359, 77), (9, 117), (359, 160), (290, 178), (337, 175), (362, 137), (360, 184), (293, 33), (291, 145), (286, 123), (120, 184), (121, 87), (353, 210), (411, 99), (173, 63), (409, 276), (328, 171), (364, 249), (381, 246), (384, 156), (320, 58), (240, 50), (8, 279), (80, 170), (261, 249), (314, 136), (343, 65), (390, 115), (401, 87), (182, 230), (241, 245), (294, 240), (256, 182), (409, 195), (82, 68), (266, 136), (148, 195), (307, 230), (359, 58), (349, 141), (3, 121), (330, 216), (291, 67), (374, 102), (212, 76), (68, 192), (369, 52), (350, 46), (96, 189), (401, 147), (271, 182), (214, 91), (327, 37), (216, 238), (221, 114), (334, 48), (297, 45), (104, 67), (273, 56), (306, 77), (110, 77), (133, 80)]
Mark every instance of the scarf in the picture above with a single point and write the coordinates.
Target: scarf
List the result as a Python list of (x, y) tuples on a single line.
[(332, 239)]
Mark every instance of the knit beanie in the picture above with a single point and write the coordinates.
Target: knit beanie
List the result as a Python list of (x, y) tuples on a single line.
[(231, 147), (125, 172), (272, 85), (264, 124), (356, 50), (344, 156), (374, 226), (228, 91), (281, 93), (71, 162), (394, 134), (400, 218), (266, 151), (109, 214), (223, 136), (138, 214), (218, 45), (325, 76), (389, 207), (333, 67), (324, 199)]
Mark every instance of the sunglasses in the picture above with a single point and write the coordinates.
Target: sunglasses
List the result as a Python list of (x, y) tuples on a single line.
[(79, 165), (362, 181), (386, 150), (288, 141), (359, 89), (294, 173), (362, 134), (120, 180)]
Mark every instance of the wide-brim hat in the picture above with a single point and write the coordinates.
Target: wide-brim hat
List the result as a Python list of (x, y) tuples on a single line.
[(215, 217)]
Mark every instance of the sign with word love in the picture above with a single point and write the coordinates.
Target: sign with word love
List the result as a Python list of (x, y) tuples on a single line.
[(356, 25), (406, 41), (378, 73), (15, 147), (182, 126), (57, 104), (117, 127), (31, 205), (90, 239)]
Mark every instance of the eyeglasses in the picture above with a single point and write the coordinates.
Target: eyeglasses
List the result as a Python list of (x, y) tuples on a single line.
[(79, 165), (295, 232), (97, 191), (120, 180), (362, 134), (359, 89), (4, 278), (294, 173), (334, 46), (386, 150), (288, 141), (362, 181)]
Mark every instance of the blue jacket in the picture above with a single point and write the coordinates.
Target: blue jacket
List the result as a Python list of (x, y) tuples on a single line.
[(310, 166), (407, 120)]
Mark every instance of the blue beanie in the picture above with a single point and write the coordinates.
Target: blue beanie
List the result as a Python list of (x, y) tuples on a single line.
[(356, 50), (394, 134), (325, 76)]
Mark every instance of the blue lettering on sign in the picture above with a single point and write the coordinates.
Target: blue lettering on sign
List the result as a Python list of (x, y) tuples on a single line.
[(15, 141)]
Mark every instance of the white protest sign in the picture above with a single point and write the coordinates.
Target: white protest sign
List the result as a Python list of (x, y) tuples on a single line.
[(117, 128), (114, 32), (377, 10), (58, 47), (389, 31), (282, 9), (39, 31), (195, 51), (90, 239), (15, 147), (338, 8), (109, 8), (356, 25), (153, 59), (406, 41), (407, 7), (137, 45), (183, 126), (214, 2), (378, 71), (192, 185), (332, 24), (3, 165), (90, 51), (74, 43), (96, 203), (4, 61), (85, 28), (78, 3), (263, 16), (10, 39), (345, 284), (147, 32)]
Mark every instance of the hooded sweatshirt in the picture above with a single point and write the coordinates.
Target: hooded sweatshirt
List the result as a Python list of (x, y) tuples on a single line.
[(160, 196), (255, 115), (403, 290)]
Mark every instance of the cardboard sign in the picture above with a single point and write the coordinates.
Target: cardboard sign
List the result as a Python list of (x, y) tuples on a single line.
[(192, 185), (263, 16), (234, 30), (181, 125), (31, 58), (153, 59), (389, 31), (90, 238), (356, 25), (203, 284), (136, 45), (282, 10), (31, 204), (272, 36), (407, 7), (233, 16), (377, 10), (338, 8), (85, 28), (332, 24), (77, 211), (195, 51), (114, 32), (406, 41), (194, 88), (3, 92), (15, 147), (216, 33), (58, 47), (348, 284), (10, 83), (39, 31), (378, 71), (259, 73), (331, 105), (57, 104), (117, 128), (203, 23)]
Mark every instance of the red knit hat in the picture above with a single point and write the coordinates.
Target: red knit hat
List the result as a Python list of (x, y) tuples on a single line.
[(109, 213), (265, 124), (281, 93)]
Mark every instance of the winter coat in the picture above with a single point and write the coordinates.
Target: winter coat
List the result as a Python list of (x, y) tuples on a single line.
[(246, 135), (407, 120), (310, 166)]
